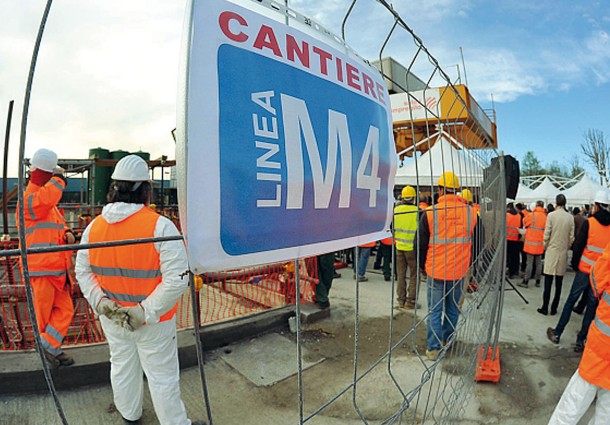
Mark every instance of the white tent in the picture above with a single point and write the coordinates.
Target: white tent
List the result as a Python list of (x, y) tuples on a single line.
[(546, 192), (523, 193), (582, 192), (441, 157)]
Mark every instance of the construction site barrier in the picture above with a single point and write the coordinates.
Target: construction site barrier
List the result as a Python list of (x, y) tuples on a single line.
[(221, 296)]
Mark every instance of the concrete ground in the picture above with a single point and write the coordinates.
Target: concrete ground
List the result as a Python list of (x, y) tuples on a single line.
[(534, 371)]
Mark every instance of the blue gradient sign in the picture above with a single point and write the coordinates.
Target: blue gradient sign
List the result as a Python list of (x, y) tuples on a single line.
[(287, 147)]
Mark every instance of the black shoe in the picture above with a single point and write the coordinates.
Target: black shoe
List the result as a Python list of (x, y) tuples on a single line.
[(128, 422), (325, 305), (553, 312), (387, 278), (376, 267), (65, 360), (552, 335), (336, 275), (52, 360), (543, 311), (537, 284), (579, 347), (578, 310)]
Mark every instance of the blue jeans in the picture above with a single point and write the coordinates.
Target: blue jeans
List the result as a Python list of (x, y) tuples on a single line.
[(363, 259), (580, 283), (592, 303), (443, 310)]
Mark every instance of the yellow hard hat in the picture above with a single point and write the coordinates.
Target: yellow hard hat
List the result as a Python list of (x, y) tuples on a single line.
[(467, 195), (449, 180), (408, 192)]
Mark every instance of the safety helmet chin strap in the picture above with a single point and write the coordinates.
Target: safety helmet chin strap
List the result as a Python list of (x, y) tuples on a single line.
[(135, 186)]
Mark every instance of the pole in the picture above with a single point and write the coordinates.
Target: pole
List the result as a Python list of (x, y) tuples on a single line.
[(4, 174), (198, 346), (21, 206)]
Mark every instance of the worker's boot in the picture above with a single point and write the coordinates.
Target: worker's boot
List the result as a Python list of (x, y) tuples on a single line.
[(523, 284), (52, 360), (65, 360)]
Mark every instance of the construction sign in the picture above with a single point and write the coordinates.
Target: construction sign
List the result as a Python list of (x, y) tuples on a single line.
[(284, 143)]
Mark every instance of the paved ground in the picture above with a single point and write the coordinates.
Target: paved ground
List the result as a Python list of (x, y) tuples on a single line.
[(534, 372)]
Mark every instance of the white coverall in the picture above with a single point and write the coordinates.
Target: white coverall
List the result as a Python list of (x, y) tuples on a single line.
[(576, 399), (152, 347)]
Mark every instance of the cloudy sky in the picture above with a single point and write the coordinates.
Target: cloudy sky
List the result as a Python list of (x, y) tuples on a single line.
[(107, 70)]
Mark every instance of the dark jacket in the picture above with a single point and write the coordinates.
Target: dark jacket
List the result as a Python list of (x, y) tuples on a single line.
[(603, 217)]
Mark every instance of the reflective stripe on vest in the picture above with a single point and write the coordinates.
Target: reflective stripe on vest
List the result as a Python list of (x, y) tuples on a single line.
[(534, 236), (449, 249), (436, 239), (597, 239), (50, 225), (405, 226), (603, 328), (128, 298), (594, 283), (31, 207), (127, 274), (45, 227), (513, 222)]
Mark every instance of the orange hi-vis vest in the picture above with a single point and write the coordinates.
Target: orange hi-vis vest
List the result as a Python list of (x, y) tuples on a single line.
[(534, 235), (368, 245), (386, 241), (127, 274), (44, 227), (597, 239), (595, 363), (513, 222), (451, 224)]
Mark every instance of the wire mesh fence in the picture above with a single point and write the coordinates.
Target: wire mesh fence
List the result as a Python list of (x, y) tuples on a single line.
[(438, 127), (221, 296)]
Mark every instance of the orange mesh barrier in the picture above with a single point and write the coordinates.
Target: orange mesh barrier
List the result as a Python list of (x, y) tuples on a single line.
[(222, 296)]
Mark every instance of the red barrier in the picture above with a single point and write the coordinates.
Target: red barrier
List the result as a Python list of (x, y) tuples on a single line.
[(222, 296)]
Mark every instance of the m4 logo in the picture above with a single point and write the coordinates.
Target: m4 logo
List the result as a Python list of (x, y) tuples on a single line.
[(298, 131)]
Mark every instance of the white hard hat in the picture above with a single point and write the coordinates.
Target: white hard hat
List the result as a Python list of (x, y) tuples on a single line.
[(131, 168), (532, 206), (44, 159), (601, 197)]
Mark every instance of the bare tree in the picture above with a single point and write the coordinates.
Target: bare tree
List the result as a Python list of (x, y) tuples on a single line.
[(596, 150)]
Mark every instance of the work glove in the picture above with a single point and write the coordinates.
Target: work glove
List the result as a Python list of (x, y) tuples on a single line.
[(134, 317), (110, 309)]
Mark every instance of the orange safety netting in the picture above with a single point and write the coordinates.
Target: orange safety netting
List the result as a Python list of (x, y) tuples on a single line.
[(221, 296)]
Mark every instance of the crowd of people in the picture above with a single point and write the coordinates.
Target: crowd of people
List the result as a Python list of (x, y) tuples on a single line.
[(540, 235)]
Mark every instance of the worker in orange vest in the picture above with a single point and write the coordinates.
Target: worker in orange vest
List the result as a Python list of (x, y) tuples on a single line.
[(446, 234), (533, 244), (513, 225), (592, 379), (523, 212), (45, 226), (135, 289), (593, 237)]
